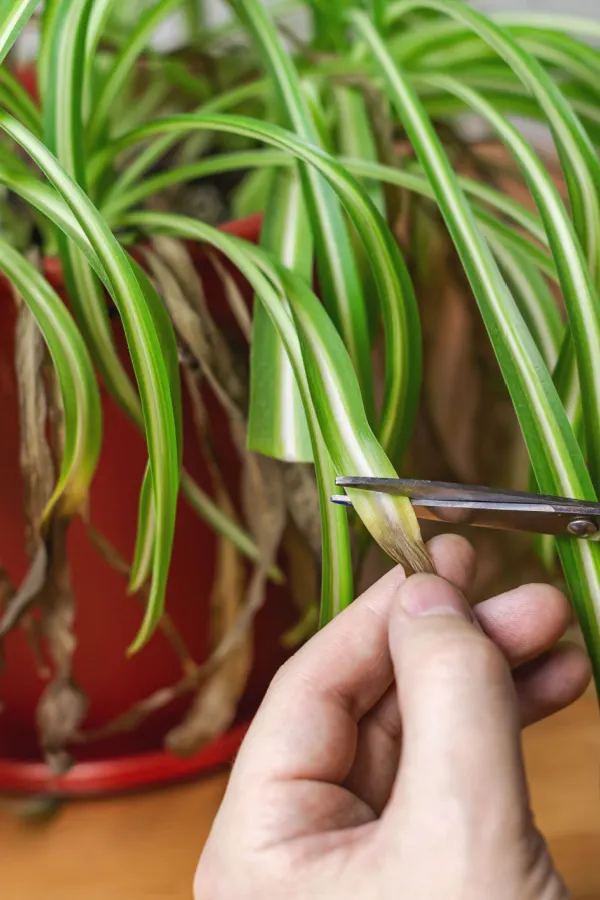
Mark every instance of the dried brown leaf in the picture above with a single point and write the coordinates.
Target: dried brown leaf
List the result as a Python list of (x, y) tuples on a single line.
[(302, 501), (303, 579), (203, 431), (35, 455), (452, 381), (195, 328), (233, 295), (264, 505), (28, 592), (63, 705), (7, 588), (215, 705)]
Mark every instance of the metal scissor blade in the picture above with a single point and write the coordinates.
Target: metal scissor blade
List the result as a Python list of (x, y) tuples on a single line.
[(455, 504)]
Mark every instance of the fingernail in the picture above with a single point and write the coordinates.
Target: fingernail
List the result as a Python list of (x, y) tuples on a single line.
[(430, 595)]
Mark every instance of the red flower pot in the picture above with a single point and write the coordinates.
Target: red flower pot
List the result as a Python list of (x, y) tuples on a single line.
[(107, 619)]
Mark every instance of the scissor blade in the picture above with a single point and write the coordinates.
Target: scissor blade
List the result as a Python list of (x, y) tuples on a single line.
[(512, 511), (463, 493)]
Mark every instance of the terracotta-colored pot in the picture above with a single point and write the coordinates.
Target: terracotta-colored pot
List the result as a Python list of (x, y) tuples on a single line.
[(107, 619)]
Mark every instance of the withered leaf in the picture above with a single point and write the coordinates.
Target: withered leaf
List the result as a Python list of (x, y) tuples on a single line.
[(263, 502), (7, 588), (35, 455), (61, 710), (233, 295), (215, 705), (29, 591), (182, 294), (63, 705), (302, 501), (451, 375), (303, 579), (452, 381)]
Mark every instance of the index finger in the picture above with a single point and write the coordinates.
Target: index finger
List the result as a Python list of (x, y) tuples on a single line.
[(306, 727)]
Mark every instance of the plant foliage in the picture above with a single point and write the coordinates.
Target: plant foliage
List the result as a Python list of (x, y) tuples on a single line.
[(341, 137)]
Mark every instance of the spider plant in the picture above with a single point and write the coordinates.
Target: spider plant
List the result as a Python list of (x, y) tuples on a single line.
[(351, 132)]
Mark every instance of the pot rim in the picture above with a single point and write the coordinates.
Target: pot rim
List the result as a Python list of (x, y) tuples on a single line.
[(118, 775)]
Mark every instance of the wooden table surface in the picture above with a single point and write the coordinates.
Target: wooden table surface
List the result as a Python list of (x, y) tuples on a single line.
[(136, 848)]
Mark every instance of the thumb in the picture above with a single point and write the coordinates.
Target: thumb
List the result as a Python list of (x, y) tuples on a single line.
[(461, 735)]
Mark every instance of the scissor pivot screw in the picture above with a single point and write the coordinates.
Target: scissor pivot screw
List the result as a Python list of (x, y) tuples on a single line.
[(582, 528)]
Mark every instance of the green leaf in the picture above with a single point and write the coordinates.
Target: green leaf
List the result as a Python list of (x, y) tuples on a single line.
[(345, 429), (277, 423), (355, 138), (64, 100), (124, 65), (498, 231), (535, 300), (237, 96), (556, 457), (311, 92), (63, 108), (77, 382), (250, 197), (14, 15), (579, 160), (338, 273), (18, 103), (582, 25), (99, 16), (510, 97), (449, 45)]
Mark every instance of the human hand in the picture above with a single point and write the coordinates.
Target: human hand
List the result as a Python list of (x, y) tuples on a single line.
[(386, 760)]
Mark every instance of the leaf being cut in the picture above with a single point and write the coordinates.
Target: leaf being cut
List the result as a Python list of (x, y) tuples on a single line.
[(329, 388), (336, 582)]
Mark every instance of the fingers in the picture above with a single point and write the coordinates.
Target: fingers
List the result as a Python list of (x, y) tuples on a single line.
[(525, 622), (377, 753), (460, 720), (307, 726), (552, 682)]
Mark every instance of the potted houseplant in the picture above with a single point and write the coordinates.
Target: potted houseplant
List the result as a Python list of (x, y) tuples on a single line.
[(358, 126)]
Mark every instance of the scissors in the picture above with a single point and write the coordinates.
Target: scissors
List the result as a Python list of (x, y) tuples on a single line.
[(457, 504)]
